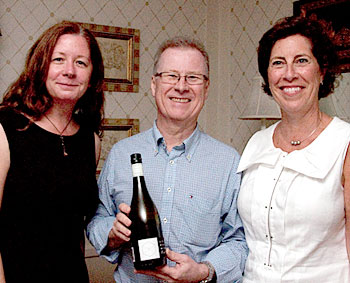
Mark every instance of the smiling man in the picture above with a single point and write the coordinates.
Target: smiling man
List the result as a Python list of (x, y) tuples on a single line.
[(190, 176)]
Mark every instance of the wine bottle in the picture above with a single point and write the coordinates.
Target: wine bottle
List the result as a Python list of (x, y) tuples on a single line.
[(147, 242)]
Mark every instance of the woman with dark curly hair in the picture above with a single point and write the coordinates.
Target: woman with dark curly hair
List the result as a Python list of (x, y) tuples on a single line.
[(50, 128), (295, 193)]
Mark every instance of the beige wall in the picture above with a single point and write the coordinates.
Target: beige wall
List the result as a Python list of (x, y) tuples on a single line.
[(233, 31), (230, 29)]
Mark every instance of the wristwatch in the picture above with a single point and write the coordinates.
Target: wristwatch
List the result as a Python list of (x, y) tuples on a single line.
[(212, 276)]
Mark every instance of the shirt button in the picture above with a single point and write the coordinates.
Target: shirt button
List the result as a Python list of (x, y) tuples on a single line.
[(165, 220), (169, 190), (171, 162)]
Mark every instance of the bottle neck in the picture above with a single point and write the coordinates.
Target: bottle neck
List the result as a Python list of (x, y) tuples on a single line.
[(137, 170)]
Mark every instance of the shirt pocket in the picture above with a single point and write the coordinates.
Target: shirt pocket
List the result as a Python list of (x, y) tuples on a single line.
[(201, 224)]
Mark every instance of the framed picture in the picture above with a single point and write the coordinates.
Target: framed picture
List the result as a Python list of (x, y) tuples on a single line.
[(120, 49), (115, 130), (336, 14)]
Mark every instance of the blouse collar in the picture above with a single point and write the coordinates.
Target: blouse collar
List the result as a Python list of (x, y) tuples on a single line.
[(315, 160)]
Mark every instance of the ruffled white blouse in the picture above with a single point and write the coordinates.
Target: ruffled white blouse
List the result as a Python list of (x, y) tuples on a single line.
[(292, 207)]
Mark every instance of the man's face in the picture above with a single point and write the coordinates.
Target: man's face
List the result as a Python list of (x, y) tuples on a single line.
[(180, 102)]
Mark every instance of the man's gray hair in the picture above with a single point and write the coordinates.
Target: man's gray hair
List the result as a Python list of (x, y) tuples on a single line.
[(180, 42)]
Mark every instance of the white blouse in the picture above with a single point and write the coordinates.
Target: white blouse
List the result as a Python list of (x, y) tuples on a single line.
[(292, 207)]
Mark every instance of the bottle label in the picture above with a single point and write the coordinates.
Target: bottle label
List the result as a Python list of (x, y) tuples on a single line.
[(137, 169), (148, 249)]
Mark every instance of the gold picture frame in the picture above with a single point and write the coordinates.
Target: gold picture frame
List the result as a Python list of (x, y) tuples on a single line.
[(115, 130), (120, 49)]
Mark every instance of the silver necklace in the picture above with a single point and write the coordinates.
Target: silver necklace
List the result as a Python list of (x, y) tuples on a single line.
[(61, 133), (298, 142)]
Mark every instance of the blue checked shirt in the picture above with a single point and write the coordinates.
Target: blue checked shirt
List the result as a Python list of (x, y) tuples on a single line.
[(195, 188)]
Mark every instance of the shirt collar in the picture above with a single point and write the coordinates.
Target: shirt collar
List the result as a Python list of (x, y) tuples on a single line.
[(315, 160), (189, 145), (260, 149), (321, 155)]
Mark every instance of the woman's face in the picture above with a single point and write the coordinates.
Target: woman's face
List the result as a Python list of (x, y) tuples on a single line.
[(294, 74), (70, 69)]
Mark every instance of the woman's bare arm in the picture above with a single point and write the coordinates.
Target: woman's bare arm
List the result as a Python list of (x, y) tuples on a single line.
[(4, 167), (346, 184), (97, 147)]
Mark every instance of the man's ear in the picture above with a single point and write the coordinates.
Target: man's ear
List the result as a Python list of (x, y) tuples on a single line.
[(206, 89), (153, 86)]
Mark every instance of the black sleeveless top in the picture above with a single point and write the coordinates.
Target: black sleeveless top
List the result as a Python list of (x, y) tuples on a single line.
[(47, 199)]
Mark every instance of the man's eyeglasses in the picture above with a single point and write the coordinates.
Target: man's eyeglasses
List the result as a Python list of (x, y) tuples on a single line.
[(173, 78)]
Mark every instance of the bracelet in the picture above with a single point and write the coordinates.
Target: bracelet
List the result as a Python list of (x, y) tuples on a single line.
[(211, 272)]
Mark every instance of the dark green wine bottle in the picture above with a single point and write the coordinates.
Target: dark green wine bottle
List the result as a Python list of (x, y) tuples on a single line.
[(147, 242)]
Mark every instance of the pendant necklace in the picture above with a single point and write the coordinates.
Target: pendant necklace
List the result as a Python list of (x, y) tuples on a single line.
[(61, 133), (298, 142)]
